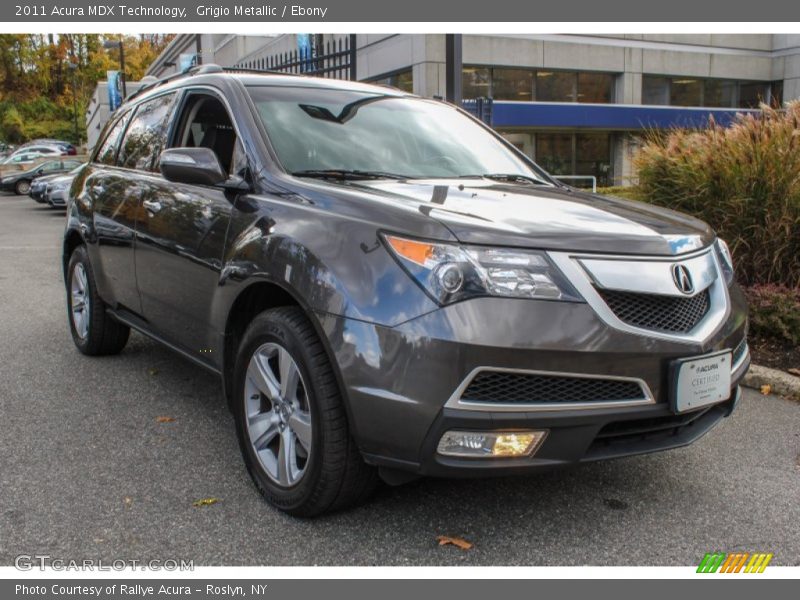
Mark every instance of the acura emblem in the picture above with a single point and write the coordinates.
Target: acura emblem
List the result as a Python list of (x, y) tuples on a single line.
[(682, 279)]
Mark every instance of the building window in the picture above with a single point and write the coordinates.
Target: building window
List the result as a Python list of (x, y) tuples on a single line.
[(576, 154), (596, 88), (655, 90), (402, 80), (528, 85), (686, 92), (512, 84), (719, 93), (555, 86), (475, 82), (554, 153), (593, 156), (753, 94), (713, 93)]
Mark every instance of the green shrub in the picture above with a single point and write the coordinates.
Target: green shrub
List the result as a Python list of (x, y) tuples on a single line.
[(744, 180), (775, 312)]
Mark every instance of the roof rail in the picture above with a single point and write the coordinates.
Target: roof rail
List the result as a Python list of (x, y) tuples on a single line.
[(196, 70), (261, 71)]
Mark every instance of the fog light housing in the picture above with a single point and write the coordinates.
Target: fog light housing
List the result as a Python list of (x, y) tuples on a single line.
[(490, 444)]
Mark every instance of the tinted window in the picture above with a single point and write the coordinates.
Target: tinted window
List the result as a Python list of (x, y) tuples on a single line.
[(475, 82), (555, 86), (686, 92), (512, 84), (51, 166), (313, 129), (146, 134), (595, 87), (107, 153)]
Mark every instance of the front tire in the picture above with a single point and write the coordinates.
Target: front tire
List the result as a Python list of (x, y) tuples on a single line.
[(291, 421), (94, 332)]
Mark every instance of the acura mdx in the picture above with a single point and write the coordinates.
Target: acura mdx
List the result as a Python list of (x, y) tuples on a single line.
[(386, 287)]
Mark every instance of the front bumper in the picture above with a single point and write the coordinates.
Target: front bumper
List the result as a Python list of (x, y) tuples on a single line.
[(57, 199), (398, 381), (37, 193)]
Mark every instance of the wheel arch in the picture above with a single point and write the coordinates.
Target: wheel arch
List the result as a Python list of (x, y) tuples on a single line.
[(258, 296), (72, 239)]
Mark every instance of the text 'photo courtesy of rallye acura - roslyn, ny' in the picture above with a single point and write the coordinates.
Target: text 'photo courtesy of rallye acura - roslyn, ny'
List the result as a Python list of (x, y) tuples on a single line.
[(387, 288)]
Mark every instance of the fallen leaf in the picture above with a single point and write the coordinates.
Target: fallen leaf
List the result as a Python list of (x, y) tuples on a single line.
[(205, 502), (152, 371), (164, 419), (445, 540), (766, 389), (794, 371)]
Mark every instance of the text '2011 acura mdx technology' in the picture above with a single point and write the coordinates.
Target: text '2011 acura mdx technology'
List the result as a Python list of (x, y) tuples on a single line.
[(386, 287)]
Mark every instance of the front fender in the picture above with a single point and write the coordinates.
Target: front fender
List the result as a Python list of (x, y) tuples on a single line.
[(332, 264)]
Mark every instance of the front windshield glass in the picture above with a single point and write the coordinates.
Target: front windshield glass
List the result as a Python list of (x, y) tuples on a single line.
[(340, 130)]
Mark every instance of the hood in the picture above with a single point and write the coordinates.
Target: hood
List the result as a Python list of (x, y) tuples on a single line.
[(551, 218)]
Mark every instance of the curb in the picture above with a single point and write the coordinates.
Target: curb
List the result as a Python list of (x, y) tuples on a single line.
[(780, 382)]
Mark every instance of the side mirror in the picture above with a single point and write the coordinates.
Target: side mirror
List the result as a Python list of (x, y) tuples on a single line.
[(199, 166)]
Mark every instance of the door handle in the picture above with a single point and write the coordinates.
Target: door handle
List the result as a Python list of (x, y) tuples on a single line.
[(152, 206)]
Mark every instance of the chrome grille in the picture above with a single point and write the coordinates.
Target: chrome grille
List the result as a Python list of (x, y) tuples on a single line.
[(674, 314), (524, 388)]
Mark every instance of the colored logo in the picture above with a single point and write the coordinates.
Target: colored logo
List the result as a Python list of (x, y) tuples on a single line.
[(737, 562)]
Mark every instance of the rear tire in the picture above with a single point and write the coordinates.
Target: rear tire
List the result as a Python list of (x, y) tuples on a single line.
[(94, 332), (287, 403), (22, 187)]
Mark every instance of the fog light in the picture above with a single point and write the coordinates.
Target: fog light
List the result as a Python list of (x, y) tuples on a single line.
[(490, 444)]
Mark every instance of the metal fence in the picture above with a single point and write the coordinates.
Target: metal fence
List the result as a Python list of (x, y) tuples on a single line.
[(332, 58), (480, 108)]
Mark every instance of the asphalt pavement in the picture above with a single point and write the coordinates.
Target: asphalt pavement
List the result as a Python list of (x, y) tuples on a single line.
[(87, 470)]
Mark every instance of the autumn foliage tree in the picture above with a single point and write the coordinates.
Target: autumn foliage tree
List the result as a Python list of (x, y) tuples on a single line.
[(46, 78)]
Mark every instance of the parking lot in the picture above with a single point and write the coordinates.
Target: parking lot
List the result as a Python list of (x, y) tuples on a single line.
[(89, 470)]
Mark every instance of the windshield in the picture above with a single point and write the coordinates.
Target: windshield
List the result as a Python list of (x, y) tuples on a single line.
[(318, 130)]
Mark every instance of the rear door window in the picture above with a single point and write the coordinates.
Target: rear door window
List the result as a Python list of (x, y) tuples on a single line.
[(146, 135), (107, 153)]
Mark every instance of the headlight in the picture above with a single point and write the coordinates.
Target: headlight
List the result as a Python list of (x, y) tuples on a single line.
[(725, 259), (449, 272)]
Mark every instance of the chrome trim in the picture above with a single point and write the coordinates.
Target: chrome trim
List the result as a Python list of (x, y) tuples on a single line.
[(570, 265), (455, 399), (742, 360), (647, 276)]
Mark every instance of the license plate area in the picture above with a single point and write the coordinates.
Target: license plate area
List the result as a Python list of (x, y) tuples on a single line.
[(700, 381)]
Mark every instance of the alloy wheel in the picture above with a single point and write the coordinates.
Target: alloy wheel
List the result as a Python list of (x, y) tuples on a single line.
[(79, 300), (277, 414)]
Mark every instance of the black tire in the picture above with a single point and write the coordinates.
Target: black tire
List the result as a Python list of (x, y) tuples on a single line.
[(104, 335), (336, 476), (22, 187)]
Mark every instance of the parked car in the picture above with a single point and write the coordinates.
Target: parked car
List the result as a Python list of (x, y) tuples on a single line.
[(64, 147), (20, 183), (385, 285), (30, 153), (20, 158), (57, 188)]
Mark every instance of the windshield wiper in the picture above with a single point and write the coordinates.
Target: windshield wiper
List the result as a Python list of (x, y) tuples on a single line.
[(515, 177), (347, 174)]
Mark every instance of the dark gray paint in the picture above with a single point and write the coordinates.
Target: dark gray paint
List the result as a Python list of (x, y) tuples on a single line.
[(398, 355)]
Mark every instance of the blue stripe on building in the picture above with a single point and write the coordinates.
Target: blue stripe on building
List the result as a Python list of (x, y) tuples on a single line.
[(605, 116)]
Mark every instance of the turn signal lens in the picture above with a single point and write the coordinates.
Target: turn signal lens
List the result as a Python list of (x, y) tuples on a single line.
[(417, 252), (490, 444)]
